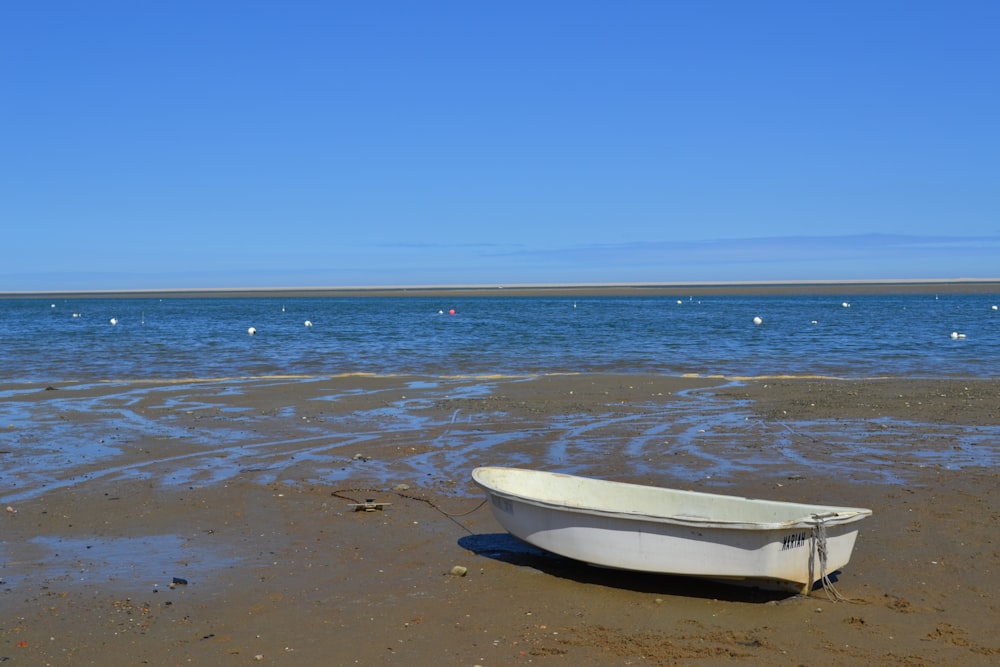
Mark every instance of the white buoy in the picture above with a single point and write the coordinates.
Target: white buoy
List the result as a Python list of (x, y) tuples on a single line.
[(251, 331), (955, 335), (114, 321), (845, 305), (758, 321), (815, 322), (679, 302), (308, 323), (994, 308)]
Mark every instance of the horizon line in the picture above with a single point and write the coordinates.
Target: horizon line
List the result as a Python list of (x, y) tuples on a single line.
[(513, 286)]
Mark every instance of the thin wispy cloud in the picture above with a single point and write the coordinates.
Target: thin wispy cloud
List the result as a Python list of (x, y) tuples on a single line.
[(790, 258), (771, 249)]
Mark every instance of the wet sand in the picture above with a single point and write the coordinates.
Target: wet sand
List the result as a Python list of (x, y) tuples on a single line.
[(211, 522)]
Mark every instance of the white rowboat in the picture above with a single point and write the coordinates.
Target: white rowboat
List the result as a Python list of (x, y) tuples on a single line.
[(763, 543)]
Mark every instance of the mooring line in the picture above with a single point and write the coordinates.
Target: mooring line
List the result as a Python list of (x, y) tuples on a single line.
[(451, 517)]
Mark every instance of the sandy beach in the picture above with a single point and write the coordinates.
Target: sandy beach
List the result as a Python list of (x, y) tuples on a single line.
[(215, 523)]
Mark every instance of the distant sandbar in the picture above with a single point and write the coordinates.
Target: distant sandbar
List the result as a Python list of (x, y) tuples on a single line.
[(957, 286)]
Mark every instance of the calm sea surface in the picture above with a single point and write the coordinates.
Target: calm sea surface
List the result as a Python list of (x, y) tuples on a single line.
[(113, 420), (175, 338)]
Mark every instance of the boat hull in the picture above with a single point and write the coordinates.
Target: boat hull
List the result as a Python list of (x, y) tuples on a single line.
[(769, 544)]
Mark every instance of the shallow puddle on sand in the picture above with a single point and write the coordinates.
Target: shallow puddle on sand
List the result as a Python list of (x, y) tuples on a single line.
[(149, 562)]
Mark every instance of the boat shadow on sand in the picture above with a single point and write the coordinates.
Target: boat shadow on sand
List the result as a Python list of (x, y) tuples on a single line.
[(506, 548)]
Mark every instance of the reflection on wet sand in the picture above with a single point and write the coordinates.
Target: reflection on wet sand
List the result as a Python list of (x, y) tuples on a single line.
[(271, 429)]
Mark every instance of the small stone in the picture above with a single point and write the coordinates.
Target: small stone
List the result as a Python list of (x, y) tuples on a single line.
[(459, 571)]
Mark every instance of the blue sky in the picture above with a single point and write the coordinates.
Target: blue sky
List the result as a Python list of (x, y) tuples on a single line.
[(149, 145)]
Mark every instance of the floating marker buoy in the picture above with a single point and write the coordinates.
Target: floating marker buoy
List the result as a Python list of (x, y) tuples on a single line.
[(815, 322), (846, 305), (451, 312), (994, 308), (758, 321), (308, 323), (114, 321), (251, 331)]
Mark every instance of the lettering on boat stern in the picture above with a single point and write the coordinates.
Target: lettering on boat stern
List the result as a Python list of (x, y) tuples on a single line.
[(502, 504), (793, 541)]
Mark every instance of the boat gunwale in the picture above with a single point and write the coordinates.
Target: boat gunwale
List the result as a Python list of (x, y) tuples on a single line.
[(828, 515)]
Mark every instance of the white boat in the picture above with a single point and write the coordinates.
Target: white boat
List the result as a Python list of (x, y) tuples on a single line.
[(763, 543)]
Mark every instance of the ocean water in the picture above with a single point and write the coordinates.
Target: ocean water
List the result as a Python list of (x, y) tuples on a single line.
[(73, 339), (131, 403)]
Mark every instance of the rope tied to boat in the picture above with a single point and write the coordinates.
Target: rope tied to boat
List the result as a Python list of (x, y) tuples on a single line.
[(339, 493), (819, 549)]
